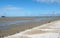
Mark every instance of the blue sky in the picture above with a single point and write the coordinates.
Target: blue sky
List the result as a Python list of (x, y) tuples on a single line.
[(29, 7)]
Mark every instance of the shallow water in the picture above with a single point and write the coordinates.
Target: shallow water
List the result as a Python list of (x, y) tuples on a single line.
[(6, 24)]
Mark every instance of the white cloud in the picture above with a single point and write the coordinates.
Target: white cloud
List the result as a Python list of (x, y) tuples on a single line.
[(48, 1), (10, 7)]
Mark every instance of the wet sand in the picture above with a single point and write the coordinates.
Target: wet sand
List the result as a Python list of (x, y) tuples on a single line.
[(17, 18), (16, 29), (53, 30)]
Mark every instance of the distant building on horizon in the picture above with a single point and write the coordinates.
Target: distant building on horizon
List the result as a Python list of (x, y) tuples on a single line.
[(3, 16)]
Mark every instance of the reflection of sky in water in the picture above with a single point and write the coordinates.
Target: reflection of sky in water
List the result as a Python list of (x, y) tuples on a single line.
[(7, 23), (14, 22)]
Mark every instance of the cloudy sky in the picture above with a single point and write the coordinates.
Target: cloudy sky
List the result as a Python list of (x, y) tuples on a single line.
[(29, 7)]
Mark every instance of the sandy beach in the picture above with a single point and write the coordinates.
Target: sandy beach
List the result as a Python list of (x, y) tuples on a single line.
[(13, 28), (48, 30)]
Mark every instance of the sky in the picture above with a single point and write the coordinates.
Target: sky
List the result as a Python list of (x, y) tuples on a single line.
[(29, 7)]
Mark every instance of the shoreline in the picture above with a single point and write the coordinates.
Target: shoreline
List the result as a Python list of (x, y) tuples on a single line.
[(16, 29), (40, 30)]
